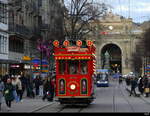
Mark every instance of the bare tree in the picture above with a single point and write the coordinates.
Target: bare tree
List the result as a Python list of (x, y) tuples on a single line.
[(79, 16)]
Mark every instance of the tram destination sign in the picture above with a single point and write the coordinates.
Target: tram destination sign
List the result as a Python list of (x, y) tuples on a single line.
[(76, 48), (73, 49)]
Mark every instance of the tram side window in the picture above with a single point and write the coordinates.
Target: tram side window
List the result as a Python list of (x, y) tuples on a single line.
[(73, 67), (62, 66), (84, 67)]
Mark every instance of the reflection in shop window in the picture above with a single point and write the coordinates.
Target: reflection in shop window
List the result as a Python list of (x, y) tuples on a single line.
[(84, 68)]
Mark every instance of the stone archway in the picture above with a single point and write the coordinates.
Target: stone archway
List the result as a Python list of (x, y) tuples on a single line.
[(111, 57)]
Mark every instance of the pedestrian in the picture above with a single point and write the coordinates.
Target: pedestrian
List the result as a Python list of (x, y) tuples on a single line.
[(52, 82), (146, 86), (46, 88), (15, 86), (28, 86), (41, 87), (133, 86), (1, 90), (37, 82), (30, 92), (120, 79), (8, 93), (23, 80), (128, 81), (141, 85), (19, 88)]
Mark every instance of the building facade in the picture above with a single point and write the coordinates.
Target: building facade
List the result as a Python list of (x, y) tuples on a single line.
[(22, 22), (120, 39), (4, 37)]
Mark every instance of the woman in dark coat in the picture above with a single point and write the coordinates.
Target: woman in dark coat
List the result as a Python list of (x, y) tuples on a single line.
[(8, 93), (46, 88)]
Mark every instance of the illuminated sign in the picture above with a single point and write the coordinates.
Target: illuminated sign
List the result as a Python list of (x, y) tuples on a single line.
[(15, 66), (27, 66)]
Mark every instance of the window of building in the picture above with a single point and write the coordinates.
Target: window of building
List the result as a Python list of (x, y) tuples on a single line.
[(3, 44), (3, 13), (16, 45)]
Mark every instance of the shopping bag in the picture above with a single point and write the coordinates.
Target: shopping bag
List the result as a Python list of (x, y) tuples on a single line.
[(146, 90)]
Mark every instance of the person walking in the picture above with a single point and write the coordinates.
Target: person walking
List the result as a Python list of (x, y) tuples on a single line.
[(120, 79), (128, 81), (37, 83), (141, 85), (46, 88), (15, 87), (23, 80), (8, 93), (133, 86), (19, 88), (146, 86), (30, 87), (1, 91), (52, 82)]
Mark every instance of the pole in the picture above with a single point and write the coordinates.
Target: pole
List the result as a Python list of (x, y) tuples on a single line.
[(41, 62)]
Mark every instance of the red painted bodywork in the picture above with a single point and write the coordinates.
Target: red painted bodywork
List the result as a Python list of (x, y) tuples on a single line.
[(75, 53)]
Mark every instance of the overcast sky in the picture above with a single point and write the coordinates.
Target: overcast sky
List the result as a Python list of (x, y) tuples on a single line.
[(139, 10)]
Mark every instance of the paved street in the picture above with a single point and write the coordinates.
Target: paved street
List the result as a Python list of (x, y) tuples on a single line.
[(108, 99)]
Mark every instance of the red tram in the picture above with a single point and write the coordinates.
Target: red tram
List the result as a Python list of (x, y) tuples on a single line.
[(75, 67)]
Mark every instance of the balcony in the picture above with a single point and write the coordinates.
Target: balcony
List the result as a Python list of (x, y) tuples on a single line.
[(19, 30)]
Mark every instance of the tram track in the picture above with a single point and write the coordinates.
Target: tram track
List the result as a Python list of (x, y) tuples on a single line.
[(71, 108), (62, 108), (126, 99), (114, 106), (38, 109), (141, 98)]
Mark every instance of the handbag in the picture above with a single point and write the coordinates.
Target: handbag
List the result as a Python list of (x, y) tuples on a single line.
[(6, 92), (146, 90)]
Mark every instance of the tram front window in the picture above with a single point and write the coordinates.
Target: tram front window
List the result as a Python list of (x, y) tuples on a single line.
[(73, 67), (84, 68), (62, 67)]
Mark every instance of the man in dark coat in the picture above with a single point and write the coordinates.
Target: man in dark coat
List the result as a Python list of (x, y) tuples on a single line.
[(133, 86), (146, 85), (141, 85)]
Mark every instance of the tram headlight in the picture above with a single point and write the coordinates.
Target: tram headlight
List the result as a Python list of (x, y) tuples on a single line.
[(73, 86)]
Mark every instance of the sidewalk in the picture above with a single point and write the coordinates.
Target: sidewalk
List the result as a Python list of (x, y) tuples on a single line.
[(128, 88), (28, 105)]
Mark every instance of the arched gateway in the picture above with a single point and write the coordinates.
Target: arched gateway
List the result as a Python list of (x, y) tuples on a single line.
[(111, 57)]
